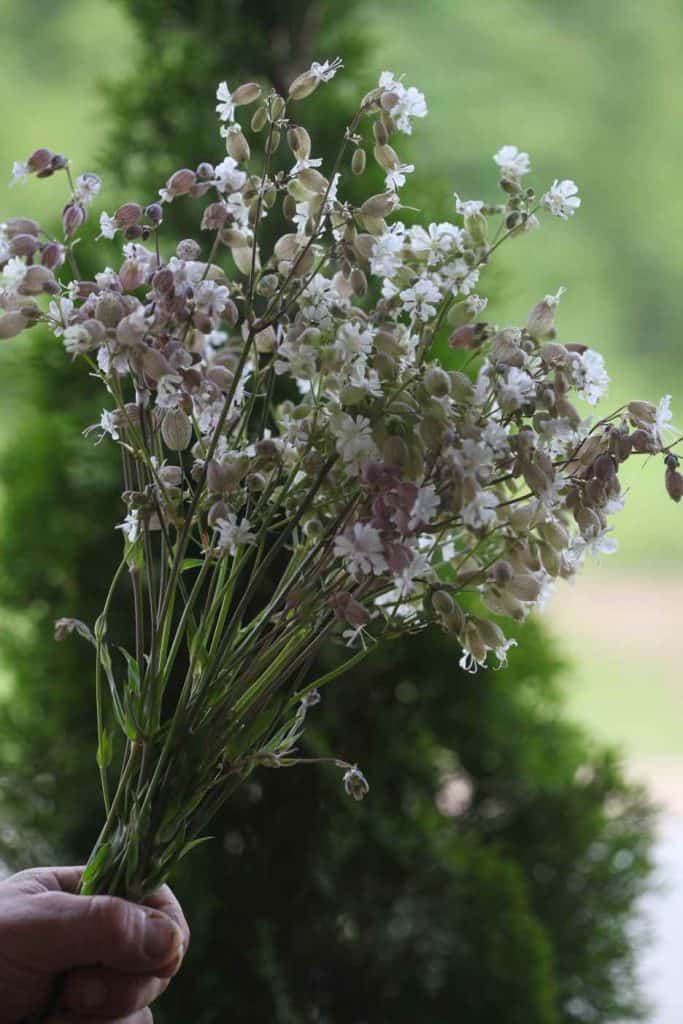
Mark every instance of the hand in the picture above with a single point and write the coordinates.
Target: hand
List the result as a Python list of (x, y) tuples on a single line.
[(118, 957)]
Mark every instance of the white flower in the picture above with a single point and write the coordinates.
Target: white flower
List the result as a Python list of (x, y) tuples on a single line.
[(77, 340), (106, 279), (168, 391), (422, 299), (459, 274), (225, 108), (424, 507), (396, 177), (108, 226), (663, 417), (361, 549), (512, 162), (386, 259), (516, 389), (481, 511), (353, 341), (411, 102), (438, 241), (211, 298), (228, 176), (562, 199), (20, 172), (468, 207), (501, 652), (131, 526), (60, 313), (304, 164), (590, 376), (13, 273), (86, 187), (234, 534), (327, 70), (108, 425), (353, 438)]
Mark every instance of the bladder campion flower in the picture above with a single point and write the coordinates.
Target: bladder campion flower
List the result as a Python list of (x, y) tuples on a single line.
[(301, 461)]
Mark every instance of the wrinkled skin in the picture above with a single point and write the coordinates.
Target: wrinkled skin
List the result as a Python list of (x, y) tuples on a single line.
[(99, 949)]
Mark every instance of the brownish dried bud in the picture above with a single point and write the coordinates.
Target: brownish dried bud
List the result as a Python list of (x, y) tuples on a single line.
[(12, 324), (214, 217), (40, 160), (36, 280), (180, 183), (463, 337), (673, 481), (52, 255), (154, 212), (359, 282), (501, 573), (176, 430), (131, 275), (643, 442), (128, 214), (437, 382), (21, 226), (73, 216), (642, 414), (23, 245), (109, 309)]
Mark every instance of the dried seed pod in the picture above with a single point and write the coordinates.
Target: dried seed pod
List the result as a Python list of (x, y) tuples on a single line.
[(303, 85), (12, 324), (176, 430), (247, 93), (358, 161), (259, 119), (238, 147), (128, 214), (673, 481), (73, 216), (181, 182), (379, 206)]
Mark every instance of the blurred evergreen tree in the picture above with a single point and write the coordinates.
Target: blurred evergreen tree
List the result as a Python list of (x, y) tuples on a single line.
[(491, 874)]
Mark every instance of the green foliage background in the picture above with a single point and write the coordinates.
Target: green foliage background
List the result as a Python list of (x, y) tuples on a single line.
[(309, 908)]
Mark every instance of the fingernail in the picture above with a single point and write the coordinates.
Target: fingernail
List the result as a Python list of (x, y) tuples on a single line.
[(91, 994), (161, 937)]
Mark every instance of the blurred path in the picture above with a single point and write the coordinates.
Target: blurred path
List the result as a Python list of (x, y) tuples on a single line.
[(623, 633)]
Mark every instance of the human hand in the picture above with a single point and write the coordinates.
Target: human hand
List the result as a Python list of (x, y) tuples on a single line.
[(117, 957)]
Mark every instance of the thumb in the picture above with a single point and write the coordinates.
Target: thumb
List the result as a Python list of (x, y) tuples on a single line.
[(64, 931)]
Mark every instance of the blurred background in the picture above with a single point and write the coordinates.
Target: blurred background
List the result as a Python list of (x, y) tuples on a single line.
[(536, 773)]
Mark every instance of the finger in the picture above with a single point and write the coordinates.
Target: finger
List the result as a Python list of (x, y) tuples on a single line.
[(63, 931), (165, 901), (103, 993), (142, 1017)]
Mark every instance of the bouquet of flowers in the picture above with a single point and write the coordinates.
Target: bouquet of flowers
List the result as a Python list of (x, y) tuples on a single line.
[(324, 440)]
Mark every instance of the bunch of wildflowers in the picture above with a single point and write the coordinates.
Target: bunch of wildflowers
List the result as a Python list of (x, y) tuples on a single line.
[(298, 463)]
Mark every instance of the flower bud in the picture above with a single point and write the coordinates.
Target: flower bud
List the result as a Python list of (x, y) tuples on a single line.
[(176, 430), (214, 217), (52, 255), (673, 481), (109, 309), (501, 573), (37, 279), (154, 212), (40, 160), (128, 214), (541, 321), (180, 183), (359, 282), (23, 245), (73, 216)]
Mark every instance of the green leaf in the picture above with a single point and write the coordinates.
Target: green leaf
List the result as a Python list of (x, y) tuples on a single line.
[(190, 563), (95, 869), (191, 846), (133, 672)]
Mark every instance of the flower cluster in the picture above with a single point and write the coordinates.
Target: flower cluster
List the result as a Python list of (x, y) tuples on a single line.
[(336, 407)]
